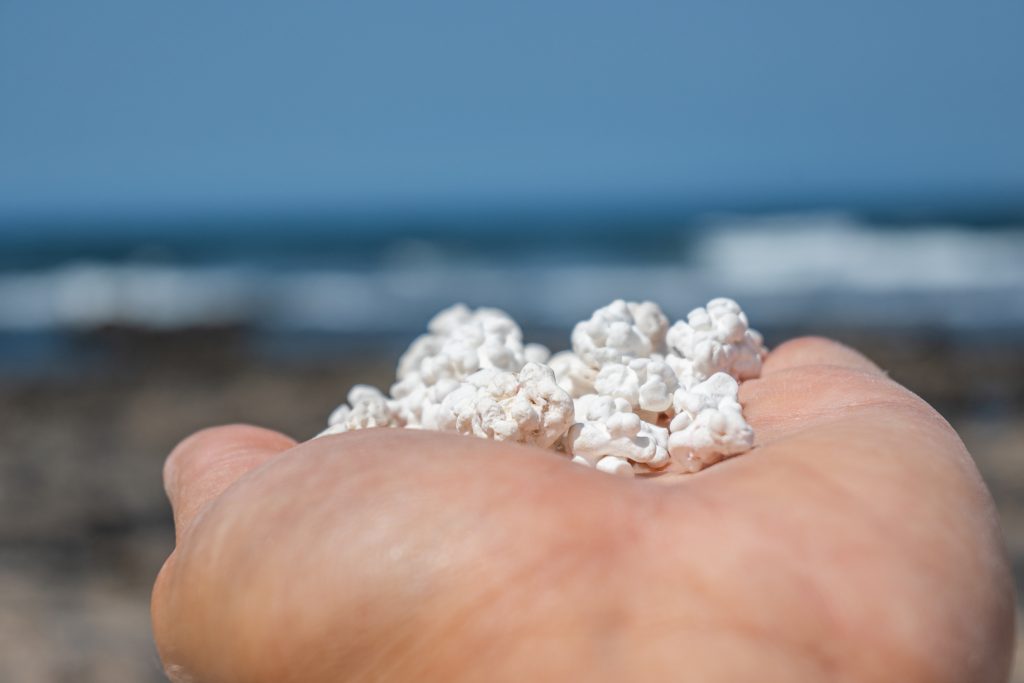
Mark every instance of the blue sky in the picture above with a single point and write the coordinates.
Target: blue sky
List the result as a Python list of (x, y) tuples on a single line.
[(135, 107)]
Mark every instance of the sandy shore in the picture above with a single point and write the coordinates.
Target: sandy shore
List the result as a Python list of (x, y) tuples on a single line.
[(83, 521)]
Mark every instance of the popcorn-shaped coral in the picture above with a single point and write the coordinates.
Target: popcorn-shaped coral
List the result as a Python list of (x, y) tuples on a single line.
[(647, 384), (607, 427), (718, 338), (422, 347), (525, 407), (446, 320), (415, 403), (683, 368), (572, 374), (490, 339), (462, 341), (604, 404), (619, 332), (709, 424), (536, 353), (367, 407)]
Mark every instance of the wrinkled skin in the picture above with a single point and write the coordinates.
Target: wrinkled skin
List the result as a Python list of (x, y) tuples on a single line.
[(855, 543)]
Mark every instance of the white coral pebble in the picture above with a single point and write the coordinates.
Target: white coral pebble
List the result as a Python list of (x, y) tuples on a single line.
[(462, 341), (647, 384), (572, 374), (604, 403), (459, 342), (525, 407), (415, 403), (718, 338), (367, 407), (709, 424), (607, 427), (620, 331)]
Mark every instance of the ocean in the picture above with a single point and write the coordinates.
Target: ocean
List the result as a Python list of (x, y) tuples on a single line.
[(802, 271), (113, 350)]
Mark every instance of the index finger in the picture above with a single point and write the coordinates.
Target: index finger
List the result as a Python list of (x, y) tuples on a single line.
[(811, 380), (805, 351)]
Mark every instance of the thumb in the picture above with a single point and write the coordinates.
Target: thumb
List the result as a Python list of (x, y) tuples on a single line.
[(203, 465)]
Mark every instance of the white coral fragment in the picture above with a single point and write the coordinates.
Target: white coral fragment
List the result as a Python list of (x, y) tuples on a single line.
[(718, 338), (607, 427), (415, 402), (536, 353), (633, 395), (572, 374), (461, 341), (620, 467), (647, 384), (620, 331), (367, 407), (709, 425), (525, 407)]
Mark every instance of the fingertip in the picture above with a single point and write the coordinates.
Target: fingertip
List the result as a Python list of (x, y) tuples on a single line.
[(202, 448), (204, 464), (813, 350)]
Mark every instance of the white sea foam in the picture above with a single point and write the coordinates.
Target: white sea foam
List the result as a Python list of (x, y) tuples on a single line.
[(792, 269), (834, 251)]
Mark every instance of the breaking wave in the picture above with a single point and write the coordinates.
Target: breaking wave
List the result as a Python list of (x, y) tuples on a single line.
[(822, 269)]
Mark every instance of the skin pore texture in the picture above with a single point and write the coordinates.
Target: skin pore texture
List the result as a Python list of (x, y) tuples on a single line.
[(856, 542)]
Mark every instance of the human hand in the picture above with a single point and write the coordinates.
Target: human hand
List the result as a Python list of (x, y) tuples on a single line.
[(856, 542)]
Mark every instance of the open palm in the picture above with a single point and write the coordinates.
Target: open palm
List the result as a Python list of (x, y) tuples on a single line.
[(856, 542)]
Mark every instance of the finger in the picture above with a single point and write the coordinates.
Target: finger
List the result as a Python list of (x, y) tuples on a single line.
[(804, 351), (209, 461), (811, 380)]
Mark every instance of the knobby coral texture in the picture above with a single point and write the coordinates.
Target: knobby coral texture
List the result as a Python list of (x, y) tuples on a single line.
[(634, 395)]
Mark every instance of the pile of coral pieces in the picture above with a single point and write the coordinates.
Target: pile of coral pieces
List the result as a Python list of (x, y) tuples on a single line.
[(634, 396)]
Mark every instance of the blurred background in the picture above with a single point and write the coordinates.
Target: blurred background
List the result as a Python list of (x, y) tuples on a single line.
[(214, 213)]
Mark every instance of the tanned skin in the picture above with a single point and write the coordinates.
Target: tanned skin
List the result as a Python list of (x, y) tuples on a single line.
[(855, 543)]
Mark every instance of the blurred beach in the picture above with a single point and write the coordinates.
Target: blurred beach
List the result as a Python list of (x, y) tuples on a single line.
[(108, 360), (214, 214)]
